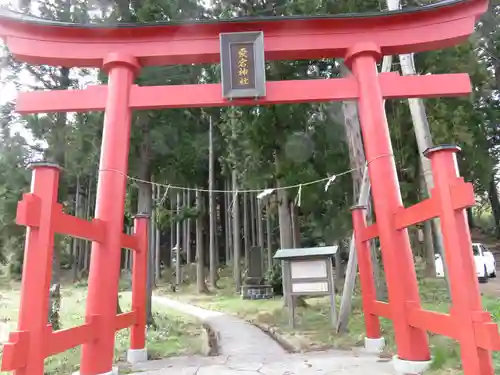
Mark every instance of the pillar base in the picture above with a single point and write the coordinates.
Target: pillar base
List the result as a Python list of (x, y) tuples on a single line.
[(374, 346), (137, 355), (404, 367)]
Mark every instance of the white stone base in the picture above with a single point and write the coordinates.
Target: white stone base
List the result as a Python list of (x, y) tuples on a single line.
[(114, 371), (374, 346), (137, 355), (403, 367)]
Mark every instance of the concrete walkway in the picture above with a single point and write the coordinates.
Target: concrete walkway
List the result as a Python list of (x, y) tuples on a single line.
[(246, 350)]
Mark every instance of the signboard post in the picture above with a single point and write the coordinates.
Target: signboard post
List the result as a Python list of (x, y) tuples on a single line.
[(243, 69)]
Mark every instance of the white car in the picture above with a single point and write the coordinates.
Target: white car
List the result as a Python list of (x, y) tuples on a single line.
[(483, 259)]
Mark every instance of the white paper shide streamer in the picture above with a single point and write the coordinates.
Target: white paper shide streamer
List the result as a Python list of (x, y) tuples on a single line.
[(329, 182)]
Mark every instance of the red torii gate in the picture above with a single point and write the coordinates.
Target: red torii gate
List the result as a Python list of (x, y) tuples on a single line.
[(124, 49)]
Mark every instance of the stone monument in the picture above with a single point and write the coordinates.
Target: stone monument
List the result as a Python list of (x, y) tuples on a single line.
[(254, 287)]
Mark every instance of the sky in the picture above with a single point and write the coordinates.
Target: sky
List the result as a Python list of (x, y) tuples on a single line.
[(8, 90)]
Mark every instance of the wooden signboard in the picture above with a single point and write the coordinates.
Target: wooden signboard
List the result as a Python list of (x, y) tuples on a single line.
[(307, 272), (243, 68)]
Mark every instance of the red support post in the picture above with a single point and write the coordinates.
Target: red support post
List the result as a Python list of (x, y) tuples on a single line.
[(138, 352), (97, 356), (466, 301), (372, 323), (38, 252), (412, 343)]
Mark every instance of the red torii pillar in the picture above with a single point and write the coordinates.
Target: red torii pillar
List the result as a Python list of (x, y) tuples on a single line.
[(104, 275), (412, 343)]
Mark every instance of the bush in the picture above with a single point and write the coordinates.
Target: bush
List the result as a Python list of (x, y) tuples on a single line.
[(274, 279)]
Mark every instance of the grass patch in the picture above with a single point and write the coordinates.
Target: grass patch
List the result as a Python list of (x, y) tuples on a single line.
[(311, 331), (176, 334)]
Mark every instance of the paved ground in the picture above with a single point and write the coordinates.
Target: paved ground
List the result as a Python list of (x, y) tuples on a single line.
[(324, 363), (246, 350)]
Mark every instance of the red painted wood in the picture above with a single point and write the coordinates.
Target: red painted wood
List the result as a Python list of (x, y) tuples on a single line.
[(34, 306), (382, 309), (129, 242), (97, 356), (94, 230), (139, 277), (369, 232), (441, 324), (487, 336), (64, 339), (284, 40), (125, 320), (397, 256), (462, 194), (420, 212), (14, 352), (29, 211), (281, 92), (459, 258), (17, 353)]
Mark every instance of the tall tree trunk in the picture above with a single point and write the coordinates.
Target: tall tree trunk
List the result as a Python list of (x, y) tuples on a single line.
[(285, 225), (178, 276), (246, 229), (145, 205), (59, 156), (220, 226), (260, 231), (88, 211), (172, 230), (213, 250), (229, 226), (269, 239), (470, 218), (495, 203), (157, 239), (339, 268), (127, 266), (295, 224), (236, 234), (430, 259), (152, 233), (352, 264), (286, 235), (185, 247), (189, 255), (227, 237), (200, 264), (253, 233), (76, 241)]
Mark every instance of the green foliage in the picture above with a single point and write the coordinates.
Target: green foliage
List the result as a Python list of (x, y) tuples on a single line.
[(275, 279), (14, 181), (167, 218)]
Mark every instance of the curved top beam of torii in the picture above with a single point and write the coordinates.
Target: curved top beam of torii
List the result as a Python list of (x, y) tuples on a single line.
[(39, 41)]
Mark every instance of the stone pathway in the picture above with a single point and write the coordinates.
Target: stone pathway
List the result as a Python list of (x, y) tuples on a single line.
[(246, 350)]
